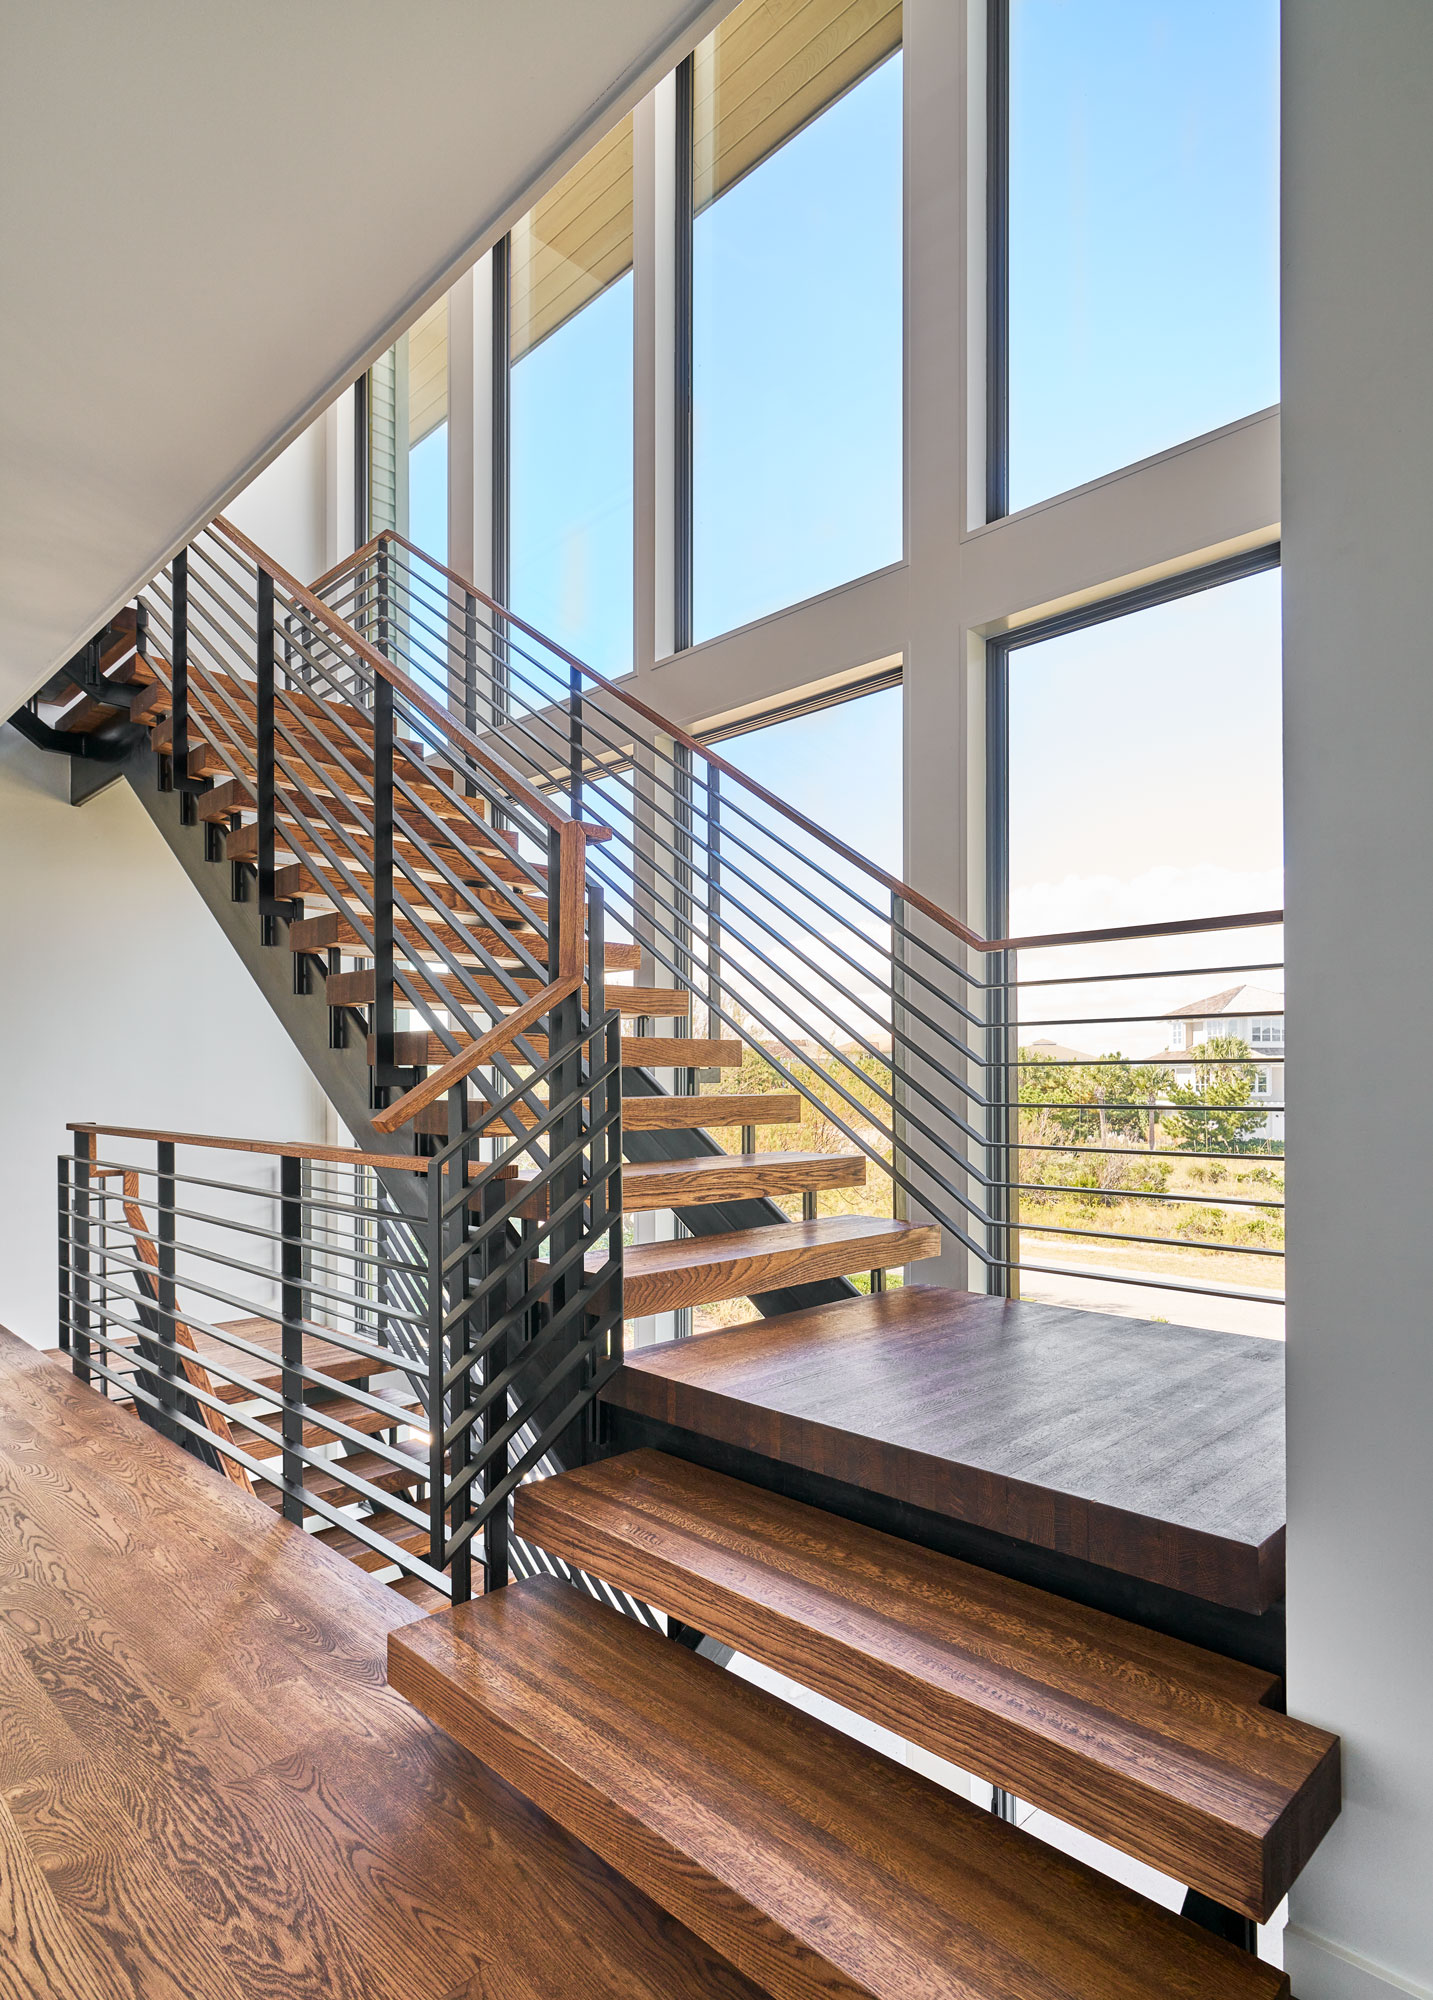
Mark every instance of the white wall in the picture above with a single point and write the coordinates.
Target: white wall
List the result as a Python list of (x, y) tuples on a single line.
[(1358, 526), (121, 1001), (286, 509)]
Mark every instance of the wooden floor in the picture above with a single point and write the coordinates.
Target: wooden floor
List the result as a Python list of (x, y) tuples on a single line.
[(1154, 1451), (206, 1787)]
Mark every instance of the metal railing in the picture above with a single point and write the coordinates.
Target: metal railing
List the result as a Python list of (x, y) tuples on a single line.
[(898, 1027), (328, 772), (387, 1375)]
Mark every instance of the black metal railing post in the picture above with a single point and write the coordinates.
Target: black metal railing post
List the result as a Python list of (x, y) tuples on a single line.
[(179, 673), (574, 741), (291, 1320), (164, 1286), (265, 754), (605, 1153), (498, 1295), (564, 1047), (432, 1237), (470, 672), (1002, 1089), (66, 1273), (714, 938), (84, 1156), (384, 1070)]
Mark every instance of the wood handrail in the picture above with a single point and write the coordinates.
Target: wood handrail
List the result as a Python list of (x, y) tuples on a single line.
[(537, 802), (1249, 920), (284, 1149)]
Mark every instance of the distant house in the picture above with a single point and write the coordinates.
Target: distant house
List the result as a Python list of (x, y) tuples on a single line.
[(1255, 1014)]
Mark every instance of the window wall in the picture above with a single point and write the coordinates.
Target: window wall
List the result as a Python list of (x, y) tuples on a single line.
[(796, 310), (1142, 236), (570, 400)]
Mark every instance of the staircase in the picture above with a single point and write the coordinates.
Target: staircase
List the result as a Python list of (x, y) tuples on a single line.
[(428, 816)]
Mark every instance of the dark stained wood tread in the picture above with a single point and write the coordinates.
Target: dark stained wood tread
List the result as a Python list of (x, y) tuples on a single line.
[(336, 1485), (335, 933), (711, 1177), (207, 1791), (321, 1354), (737, 1263), (422, 1594), (668, 1051), (821, 1869), (1160, 1748), (393, 1528), (1152, 1451), (415, 1049), (710, 1113), (340, 1410)]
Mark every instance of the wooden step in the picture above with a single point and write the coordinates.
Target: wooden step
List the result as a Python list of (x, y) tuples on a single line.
[(423, 1595), (241, 843), (821, 1869), (355, 989), (649, 1002), (1164, 1750), (320, 1353), (235, 795), (336, 1485), (393, 1528), (648, 1184), (415, 1050), (710, 1113), (679, 1052), (738, 1263), (343, 1410), (297, 881), (334, 932)]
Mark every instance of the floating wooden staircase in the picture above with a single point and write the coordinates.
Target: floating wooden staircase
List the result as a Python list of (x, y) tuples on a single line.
[(817, 1866)]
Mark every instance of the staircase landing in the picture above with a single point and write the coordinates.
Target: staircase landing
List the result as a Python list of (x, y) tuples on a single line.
[(206, 1787), (1068, 1447)]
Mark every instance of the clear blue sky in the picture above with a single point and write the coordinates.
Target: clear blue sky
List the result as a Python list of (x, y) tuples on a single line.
[(1144, 271)]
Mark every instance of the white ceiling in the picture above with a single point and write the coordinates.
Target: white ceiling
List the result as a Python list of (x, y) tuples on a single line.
[(212, 217)]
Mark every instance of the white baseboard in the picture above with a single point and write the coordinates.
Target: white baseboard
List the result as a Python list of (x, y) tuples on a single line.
[(1319, 1969)]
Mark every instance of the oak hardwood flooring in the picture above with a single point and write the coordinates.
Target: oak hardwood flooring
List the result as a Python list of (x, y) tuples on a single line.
[(1154, 1451), (208, 1790)]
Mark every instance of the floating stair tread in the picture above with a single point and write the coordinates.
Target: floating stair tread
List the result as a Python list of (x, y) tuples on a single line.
[(241, 843), (659, 1002), (712, 1177), (669, 1114), (324, 1355), (415, 1049), (342, 1410), (420, 1593), (335, 1484), (393, 1527), (334, 932), (679, 1051), (822, 1870), (1158, 1747), (700, 1270)]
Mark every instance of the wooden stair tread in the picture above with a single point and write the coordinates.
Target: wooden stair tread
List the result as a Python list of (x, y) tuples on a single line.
[(337, 1489), (393, 1528), (1156, 1746), (334, 932), (324, 1355), (712, 1177), (418, 1050), (420, 1593), (343, 1410), (680, 1052), (738, 1263), (241, 843), (816, 1865), (669, 1114)]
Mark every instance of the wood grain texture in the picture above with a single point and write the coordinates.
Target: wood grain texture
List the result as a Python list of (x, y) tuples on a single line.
[(676, 1114), (648, 1184), (207, 1791), (1162, 1749), (1155, 1451), (667, 1051), (735, 1264), (822, 1870)]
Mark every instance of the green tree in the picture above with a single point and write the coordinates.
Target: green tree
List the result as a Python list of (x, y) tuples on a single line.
[(1215, 1114)]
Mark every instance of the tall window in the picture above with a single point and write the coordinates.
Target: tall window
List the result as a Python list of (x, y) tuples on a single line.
[(570, 352), (1142, 230), (428, 432), (796, 304)]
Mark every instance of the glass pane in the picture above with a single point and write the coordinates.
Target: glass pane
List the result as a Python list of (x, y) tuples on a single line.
[(571, 409), (1144, 259), (1144, 787), (797, 321)]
